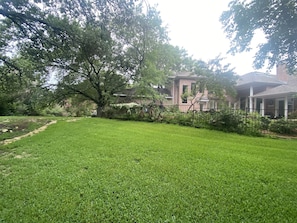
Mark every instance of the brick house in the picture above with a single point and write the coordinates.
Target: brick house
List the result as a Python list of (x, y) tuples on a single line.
[(269, 95), (185, 95)]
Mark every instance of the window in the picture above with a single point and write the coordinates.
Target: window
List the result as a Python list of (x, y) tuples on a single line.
[(200, 87), (185, 94), (201, 107), (193, 89)]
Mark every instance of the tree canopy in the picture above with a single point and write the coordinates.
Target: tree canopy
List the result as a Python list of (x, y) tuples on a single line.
[(277, 19), (95, 47)]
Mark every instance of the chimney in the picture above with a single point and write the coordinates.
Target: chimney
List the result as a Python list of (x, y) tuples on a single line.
[(282, 73)]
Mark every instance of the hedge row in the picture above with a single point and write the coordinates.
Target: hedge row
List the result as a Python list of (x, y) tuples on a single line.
[(224, 120)]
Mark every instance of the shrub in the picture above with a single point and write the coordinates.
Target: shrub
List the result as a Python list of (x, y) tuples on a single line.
[(265, 123), (227, 121), (185, 119), (56, 110), (202, 120), (283, 127), (293, 115), (169, 117), (239, 122)]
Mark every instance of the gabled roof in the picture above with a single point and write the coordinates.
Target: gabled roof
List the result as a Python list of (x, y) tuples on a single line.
[(282, 90), (257, 79)]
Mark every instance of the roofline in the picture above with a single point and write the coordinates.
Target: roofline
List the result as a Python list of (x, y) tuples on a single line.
[(273, 95)]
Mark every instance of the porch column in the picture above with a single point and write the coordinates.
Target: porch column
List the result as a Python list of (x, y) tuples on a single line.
[(255, 104), (251, 99), (173, 93), (276, 108), (263, 107), (286, 107)]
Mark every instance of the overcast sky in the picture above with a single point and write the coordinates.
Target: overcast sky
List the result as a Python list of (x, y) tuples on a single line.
[(195, 26)]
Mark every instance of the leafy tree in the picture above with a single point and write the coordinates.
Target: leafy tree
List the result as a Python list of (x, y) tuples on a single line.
[(21, 87), (277, 19), (95, 47), (218, 79), (160, 63)]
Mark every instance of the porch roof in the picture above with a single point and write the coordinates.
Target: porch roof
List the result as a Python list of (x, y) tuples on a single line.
[(185, 75), (279, 91), (257, 79)]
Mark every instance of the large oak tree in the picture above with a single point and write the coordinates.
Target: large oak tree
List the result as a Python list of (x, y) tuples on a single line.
[(94, 47)]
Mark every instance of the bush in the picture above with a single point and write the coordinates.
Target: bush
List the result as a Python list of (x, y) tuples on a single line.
[(251, 124), (56, 110), (227, 121), (202, 120), (293, 115), (185, 119), (283, 127), (265, 123), (169, 118)]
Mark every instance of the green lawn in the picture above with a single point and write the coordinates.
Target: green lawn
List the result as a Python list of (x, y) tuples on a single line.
[(98, 170)]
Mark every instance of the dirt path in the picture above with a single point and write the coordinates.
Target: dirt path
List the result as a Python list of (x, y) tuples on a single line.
[(8, 141)]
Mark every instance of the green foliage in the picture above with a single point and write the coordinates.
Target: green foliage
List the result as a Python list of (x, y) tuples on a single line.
[(265, 123), (220, 80), (24, 101), (184, 119), (293, 115), (55, 110), (276, 19), (283, 127), (95, 48), (6, 105), (22, 90), (99, 170), (227, 120), (217, 78), (77, 106)]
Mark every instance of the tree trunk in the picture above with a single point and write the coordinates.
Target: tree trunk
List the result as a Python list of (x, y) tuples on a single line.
[(99, 111)]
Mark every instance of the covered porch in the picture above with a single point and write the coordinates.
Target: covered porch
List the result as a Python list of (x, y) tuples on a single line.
[(277, 102)]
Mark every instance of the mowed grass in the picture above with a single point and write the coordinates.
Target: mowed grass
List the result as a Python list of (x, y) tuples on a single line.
[(98, 170)]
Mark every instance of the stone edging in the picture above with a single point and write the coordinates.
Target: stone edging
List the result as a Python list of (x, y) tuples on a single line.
[(8, 141)]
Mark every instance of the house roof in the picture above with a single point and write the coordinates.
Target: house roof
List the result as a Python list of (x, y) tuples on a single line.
[(131, 92), (279, 91), (184, 75), (257, 79), (164, 91)]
